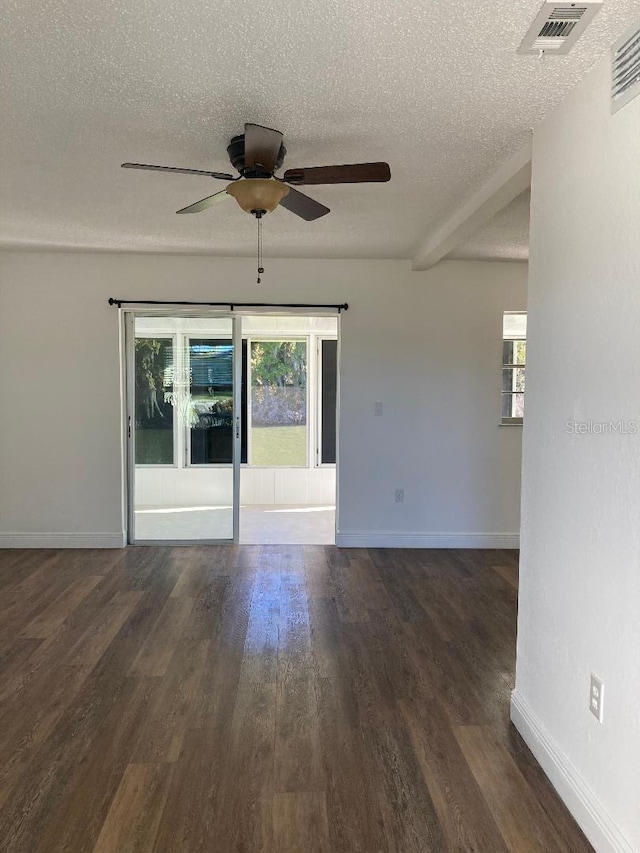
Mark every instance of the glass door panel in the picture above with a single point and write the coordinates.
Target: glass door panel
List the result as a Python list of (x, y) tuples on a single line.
[(184, 440)]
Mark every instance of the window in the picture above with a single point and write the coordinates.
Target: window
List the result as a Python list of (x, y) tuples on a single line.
[(184, 415), (154, 420), (514, 356), (211, 404), (278, 427), (328, 396)]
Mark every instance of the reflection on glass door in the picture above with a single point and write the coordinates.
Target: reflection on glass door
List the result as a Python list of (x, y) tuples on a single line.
[(184, 436), (154, 419), (211, 422)]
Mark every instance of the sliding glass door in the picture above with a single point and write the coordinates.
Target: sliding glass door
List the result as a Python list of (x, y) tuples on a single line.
[(183, 428)]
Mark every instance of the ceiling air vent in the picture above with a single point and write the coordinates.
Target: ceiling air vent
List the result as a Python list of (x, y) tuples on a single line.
[(558, 26), (625, 69)]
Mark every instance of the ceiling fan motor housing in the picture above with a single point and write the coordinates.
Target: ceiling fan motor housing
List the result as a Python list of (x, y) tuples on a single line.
[(235, 150)]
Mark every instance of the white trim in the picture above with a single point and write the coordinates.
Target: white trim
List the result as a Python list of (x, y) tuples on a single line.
[(592, 817), (391, 539), (63, 540)]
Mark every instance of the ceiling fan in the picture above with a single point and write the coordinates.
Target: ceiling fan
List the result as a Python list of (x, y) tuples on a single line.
[(256, 155)]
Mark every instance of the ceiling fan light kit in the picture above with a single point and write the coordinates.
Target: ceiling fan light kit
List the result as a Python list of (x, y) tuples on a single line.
[(258, 195)]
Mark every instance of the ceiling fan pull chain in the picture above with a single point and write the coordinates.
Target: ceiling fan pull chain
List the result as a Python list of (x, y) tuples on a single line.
[(260, 267)]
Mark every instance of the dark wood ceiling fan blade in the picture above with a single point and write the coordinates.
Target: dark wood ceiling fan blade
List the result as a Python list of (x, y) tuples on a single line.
[(261, 146), (304, 206), (204, 203), (351, 174), (223, 176)]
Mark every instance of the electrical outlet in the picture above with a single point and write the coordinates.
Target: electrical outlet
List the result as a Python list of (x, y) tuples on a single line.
[(378, 410), (399, 496), (596, 697)]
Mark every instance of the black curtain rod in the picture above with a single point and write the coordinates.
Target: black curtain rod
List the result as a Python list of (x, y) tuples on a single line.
[(231, 305)]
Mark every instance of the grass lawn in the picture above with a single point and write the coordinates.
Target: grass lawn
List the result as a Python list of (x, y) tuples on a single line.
[(280, 445)]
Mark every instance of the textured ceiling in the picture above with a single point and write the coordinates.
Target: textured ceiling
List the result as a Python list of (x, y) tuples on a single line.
[(435, 88), (503, 238)]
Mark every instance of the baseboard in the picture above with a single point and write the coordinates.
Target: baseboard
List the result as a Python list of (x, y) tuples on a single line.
[(588, 811), (63, 540), (368, 539)]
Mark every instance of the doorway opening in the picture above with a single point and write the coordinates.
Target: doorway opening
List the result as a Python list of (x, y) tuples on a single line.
[(232, 430), (289, 400)]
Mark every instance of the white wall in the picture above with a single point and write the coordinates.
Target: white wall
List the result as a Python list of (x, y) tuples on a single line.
[(427, 345), (580, 567)]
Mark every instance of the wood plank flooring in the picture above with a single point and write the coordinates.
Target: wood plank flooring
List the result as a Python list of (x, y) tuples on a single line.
[(247, 699)]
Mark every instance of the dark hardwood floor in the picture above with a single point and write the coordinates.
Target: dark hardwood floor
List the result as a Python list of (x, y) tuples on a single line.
[(265, 700)]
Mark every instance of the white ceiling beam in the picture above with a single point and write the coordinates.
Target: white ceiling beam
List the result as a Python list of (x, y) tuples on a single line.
[(508, 182)]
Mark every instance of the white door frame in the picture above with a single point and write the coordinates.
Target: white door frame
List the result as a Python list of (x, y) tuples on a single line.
[(128, 325), (237, 423)]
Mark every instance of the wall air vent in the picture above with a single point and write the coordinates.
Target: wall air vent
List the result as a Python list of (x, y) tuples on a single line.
[(625, 69), (558, 26)]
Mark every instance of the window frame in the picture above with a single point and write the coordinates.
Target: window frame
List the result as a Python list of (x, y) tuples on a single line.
[(511, 421)]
